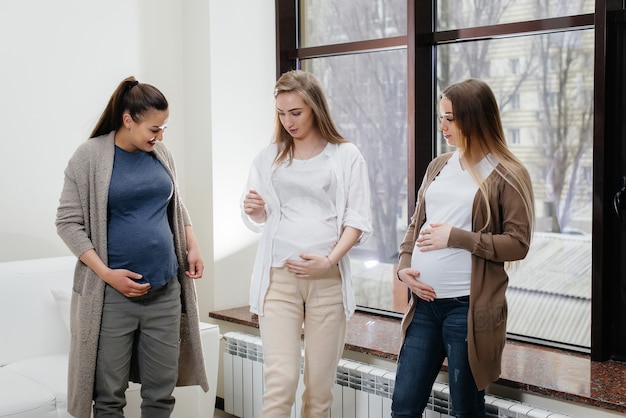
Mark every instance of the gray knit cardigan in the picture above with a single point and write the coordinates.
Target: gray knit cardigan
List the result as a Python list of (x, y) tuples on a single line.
[(82, 224)]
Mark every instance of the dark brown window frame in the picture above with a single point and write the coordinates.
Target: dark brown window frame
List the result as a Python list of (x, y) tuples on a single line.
[(421, 42)]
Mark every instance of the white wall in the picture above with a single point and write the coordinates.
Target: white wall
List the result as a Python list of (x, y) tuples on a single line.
[(243, 73), (61, 60)]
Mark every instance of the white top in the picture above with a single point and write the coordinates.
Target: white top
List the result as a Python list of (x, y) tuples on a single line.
[(352, 206), (449, 199), (308, 216)]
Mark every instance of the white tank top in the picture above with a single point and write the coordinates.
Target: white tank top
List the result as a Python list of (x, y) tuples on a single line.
[(308, 215), (449, 199)]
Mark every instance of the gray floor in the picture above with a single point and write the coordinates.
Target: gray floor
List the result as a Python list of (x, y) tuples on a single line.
[(221, 414)]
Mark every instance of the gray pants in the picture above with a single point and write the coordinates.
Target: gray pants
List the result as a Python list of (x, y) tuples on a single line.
[(146, 329)]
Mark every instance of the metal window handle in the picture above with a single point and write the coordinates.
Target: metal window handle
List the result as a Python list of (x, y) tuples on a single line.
[(619, 201)]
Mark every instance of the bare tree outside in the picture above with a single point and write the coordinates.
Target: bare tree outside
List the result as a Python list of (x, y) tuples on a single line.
[(555, 67), (339, 21), (373, 116), (566, 121), (367, 94)]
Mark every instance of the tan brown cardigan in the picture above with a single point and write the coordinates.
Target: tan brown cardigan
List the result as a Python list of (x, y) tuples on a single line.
[(507, 238), (82, 224)]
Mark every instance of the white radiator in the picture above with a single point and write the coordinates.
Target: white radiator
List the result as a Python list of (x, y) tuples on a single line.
[(361, 390)]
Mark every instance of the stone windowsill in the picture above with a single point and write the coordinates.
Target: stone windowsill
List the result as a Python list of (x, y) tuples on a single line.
[(530, 368)]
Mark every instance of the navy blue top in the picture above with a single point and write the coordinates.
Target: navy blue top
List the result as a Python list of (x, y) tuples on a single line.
[(139, 234)]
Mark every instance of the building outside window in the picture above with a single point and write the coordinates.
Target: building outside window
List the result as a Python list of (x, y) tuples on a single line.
[(513, 136)]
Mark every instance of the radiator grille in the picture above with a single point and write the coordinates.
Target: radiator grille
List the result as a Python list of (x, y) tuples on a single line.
[(361, 390)]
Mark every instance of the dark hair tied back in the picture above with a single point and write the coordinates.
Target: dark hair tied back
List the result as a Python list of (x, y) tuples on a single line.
[(130, 97)]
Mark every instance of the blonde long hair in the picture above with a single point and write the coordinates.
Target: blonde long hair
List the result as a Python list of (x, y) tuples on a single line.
[(309, 88), (475, 111)]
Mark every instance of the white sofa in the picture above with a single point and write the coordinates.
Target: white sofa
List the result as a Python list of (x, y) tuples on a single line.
[(34, 315)]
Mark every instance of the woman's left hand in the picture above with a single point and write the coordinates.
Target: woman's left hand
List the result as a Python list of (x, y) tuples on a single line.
[(196, 265), (313, 265), (434, 237)]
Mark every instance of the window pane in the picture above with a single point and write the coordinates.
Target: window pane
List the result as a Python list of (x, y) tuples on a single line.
[(367, 98), (334, 22), (455, 14), (544, 86)]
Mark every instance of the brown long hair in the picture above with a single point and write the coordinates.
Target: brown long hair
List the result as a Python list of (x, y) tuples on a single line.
[(130, 96), (475, 111), (309, 88)]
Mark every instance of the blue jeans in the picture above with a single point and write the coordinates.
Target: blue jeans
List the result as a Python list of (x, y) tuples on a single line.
[(438, 330)]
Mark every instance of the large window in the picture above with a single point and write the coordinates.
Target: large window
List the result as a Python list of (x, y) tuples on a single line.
[(383, 64)]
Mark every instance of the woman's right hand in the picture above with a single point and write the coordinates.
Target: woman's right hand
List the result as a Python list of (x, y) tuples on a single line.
[(124, 282), (409, 277), (121, 280), (254, 206)]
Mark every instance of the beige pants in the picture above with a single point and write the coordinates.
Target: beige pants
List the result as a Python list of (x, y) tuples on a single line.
[(290, 302)]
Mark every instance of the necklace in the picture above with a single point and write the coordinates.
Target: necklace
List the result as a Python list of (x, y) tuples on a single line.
[(304, 160)]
